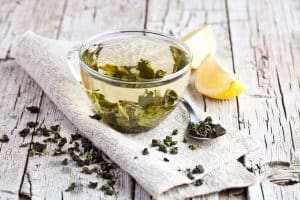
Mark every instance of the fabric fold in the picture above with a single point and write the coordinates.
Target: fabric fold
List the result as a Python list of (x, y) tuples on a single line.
[(45, 60)]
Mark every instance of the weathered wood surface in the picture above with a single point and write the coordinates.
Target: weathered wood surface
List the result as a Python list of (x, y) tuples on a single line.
[(259, 40)]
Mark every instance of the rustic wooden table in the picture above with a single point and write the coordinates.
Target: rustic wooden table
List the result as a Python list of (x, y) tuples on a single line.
[(257, 39)]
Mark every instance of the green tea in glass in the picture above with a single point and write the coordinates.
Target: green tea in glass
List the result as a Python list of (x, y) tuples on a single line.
[(134, 78)]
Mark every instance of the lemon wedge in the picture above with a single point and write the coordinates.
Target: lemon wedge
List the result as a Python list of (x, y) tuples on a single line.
[(215, 81), (201, 43)]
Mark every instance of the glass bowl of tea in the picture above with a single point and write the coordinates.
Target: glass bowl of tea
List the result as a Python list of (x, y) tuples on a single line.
[(134, 78)]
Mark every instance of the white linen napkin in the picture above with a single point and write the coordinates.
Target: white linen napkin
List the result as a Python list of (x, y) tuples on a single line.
[(45, 60)]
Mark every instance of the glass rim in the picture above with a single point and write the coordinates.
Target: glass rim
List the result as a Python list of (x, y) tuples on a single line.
[(167, 78)]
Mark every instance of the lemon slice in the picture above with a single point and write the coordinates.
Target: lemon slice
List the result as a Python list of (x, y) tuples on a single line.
[(215, 81), (201, 43)]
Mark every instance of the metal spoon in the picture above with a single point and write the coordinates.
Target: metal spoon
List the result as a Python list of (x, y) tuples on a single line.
[(195, 119)]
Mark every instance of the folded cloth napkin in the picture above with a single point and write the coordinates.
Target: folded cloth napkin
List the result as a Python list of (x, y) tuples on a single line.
[(45, 60)]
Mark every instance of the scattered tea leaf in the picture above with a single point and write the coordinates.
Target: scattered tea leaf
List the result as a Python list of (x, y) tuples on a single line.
[(198, 182), (198, 169), (32, 124), (38, 147), (44, 131), (155, 142), (192, 147), (65, 162), (75, 137), (169, 142), (108, 190), (71, 187), (145, 151), (55, 127), (86, 170), (93, 185), (166, 159), (107, 175), (111, 182), (24, 132), (33, 109), (162, 148), (174, 150), (190, 175), (4, 139), (62, 142), (174, 132)]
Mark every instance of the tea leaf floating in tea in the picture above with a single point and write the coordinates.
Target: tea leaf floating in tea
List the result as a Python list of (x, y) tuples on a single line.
[(90, 56), (153, 103), (129, 116), (143, 69), (180, 58)]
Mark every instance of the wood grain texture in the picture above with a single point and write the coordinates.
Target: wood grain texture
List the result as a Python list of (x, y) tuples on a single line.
[(180, 17), (33, 177), (18, 89), (74, 27), (259, 40), (265, 43)]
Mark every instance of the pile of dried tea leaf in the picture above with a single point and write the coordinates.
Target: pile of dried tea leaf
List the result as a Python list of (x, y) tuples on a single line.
[(206, 129)]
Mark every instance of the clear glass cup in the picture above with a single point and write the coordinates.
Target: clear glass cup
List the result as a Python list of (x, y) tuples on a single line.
[(133, 106)]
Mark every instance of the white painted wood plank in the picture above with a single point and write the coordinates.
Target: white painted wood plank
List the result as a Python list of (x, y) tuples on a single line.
[(181, 17), (19, 16), (265, 41), (17, 89), (50, 183)]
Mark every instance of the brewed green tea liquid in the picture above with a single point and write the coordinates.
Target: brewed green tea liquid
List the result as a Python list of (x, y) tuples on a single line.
[(130, 108)]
